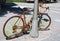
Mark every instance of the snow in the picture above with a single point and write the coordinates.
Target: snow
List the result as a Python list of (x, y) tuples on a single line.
[(50, 35)]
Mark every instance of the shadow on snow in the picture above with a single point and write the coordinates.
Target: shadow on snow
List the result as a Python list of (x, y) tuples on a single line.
[(9, 7)]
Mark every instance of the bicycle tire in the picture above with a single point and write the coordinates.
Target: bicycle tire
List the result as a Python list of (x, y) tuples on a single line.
[(48, 23), (4, 27)]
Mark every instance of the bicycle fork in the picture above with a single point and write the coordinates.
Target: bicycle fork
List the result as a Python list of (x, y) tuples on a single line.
[(39, 21)]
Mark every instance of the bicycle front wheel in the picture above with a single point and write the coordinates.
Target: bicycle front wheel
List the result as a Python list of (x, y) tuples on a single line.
[(44, 22), (12, 27)]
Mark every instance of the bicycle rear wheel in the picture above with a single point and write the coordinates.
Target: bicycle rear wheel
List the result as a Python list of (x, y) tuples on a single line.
[(12, 27), (45, 22)]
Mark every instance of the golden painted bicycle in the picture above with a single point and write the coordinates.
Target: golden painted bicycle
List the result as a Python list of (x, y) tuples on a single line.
[(15, 25)]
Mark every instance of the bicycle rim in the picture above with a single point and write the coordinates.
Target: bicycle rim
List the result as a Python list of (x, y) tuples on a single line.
[(8, 30), (45, 22)]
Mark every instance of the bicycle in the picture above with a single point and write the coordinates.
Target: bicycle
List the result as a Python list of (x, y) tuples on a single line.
[(16, 24)]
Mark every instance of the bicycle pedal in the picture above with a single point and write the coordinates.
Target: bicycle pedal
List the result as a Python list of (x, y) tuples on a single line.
[(25, 32), (46, 20)]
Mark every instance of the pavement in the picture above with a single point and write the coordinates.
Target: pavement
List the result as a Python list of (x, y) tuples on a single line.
[(50, 35)]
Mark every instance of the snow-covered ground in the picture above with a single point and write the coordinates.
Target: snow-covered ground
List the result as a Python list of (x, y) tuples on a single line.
[(50, 35)]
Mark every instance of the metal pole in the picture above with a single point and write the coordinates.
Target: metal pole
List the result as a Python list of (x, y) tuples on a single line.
[(34, 30)]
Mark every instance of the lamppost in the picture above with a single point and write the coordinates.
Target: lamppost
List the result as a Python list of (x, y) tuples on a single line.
[(34, 30)]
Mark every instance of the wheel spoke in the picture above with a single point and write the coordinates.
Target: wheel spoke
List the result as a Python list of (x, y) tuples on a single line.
[(12, 26), (45, 22)]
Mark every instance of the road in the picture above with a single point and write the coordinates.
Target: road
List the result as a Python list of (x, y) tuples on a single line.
[(50, 35)]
